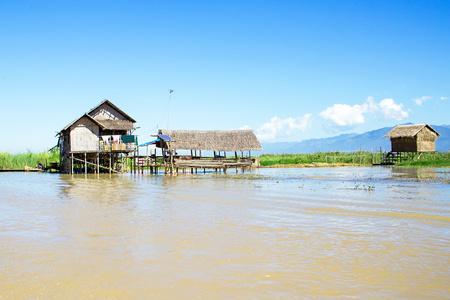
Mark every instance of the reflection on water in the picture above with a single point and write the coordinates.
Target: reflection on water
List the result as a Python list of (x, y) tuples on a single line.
[(416, 173), (275, 234)]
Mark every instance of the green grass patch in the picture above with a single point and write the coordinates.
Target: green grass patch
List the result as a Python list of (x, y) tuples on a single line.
[(426, 163), (436, 159), (362, 158), (19, 161)]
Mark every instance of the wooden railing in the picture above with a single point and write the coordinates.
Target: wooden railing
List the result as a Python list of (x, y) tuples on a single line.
[(116, 147)]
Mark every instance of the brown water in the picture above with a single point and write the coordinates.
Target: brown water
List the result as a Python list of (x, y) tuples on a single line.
[(348, 233)]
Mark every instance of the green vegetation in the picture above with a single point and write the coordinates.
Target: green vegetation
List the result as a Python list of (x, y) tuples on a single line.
[(436, 159), (430, 163), (427, 160), (356, 158), (360, 158), (30, 159)]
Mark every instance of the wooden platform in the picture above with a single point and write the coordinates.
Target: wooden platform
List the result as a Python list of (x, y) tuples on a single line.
[(211, 164)]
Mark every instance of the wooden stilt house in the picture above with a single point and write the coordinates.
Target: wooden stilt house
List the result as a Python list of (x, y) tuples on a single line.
[(95, 141), (413, 138), (219, 142)]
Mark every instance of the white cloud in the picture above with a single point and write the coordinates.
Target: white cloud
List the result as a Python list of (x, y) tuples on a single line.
[(444, 98), (344, 115), (391, 110), (276, 127), (244, 127), (421, 100)]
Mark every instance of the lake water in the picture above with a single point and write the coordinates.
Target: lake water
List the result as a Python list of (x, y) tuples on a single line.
[(311, 233)]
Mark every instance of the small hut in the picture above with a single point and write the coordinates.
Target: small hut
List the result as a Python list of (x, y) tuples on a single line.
[(413, 138), (96, 140), (217, 141)]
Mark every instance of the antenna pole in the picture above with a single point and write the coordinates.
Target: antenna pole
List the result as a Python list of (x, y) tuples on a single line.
[(168, 116)]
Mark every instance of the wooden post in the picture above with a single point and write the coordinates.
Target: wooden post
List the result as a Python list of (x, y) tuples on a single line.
[(98, 163), (360, 155), (71, 165), (109, 163), (85, 164)]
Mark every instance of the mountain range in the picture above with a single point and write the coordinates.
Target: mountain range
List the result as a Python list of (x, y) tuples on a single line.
[(369, 141)]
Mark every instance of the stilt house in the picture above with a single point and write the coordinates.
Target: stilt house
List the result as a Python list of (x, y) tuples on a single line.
[(413, 138), (96, 140), (241, 142)]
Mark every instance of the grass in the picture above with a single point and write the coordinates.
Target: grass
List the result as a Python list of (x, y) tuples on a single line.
[(363, 158), (19, 161), (431, 163), (437, 159)]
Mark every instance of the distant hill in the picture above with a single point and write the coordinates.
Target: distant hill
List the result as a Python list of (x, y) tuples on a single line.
[(368, 141)]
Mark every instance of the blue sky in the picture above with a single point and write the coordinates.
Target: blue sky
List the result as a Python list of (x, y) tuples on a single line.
[(289, 70)]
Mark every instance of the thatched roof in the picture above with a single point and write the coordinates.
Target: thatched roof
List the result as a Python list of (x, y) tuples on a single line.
[(213, 140), (117, 124), (408, 130)]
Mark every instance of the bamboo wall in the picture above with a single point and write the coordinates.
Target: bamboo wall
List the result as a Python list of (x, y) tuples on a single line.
[(403, 145), (426, 141)]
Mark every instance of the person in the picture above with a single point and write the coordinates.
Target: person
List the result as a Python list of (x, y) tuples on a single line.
[(40, 166)]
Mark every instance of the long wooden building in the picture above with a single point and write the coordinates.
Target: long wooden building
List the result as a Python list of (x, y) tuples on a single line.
[(97, 140), (219, 142)]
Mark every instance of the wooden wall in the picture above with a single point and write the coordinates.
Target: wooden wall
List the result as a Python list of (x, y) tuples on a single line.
[(106, 112), (84, 135)]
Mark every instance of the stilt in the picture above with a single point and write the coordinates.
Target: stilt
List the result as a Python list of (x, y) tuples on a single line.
[(85, 163)]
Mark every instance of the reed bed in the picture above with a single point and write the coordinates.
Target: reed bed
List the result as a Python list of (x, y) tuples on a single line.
[(19, 161), (360, 158), (437, 159)]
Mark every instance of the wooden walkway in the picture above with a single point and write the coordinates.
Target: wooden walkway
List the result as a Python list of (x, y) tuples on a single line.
[(185, 165)]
